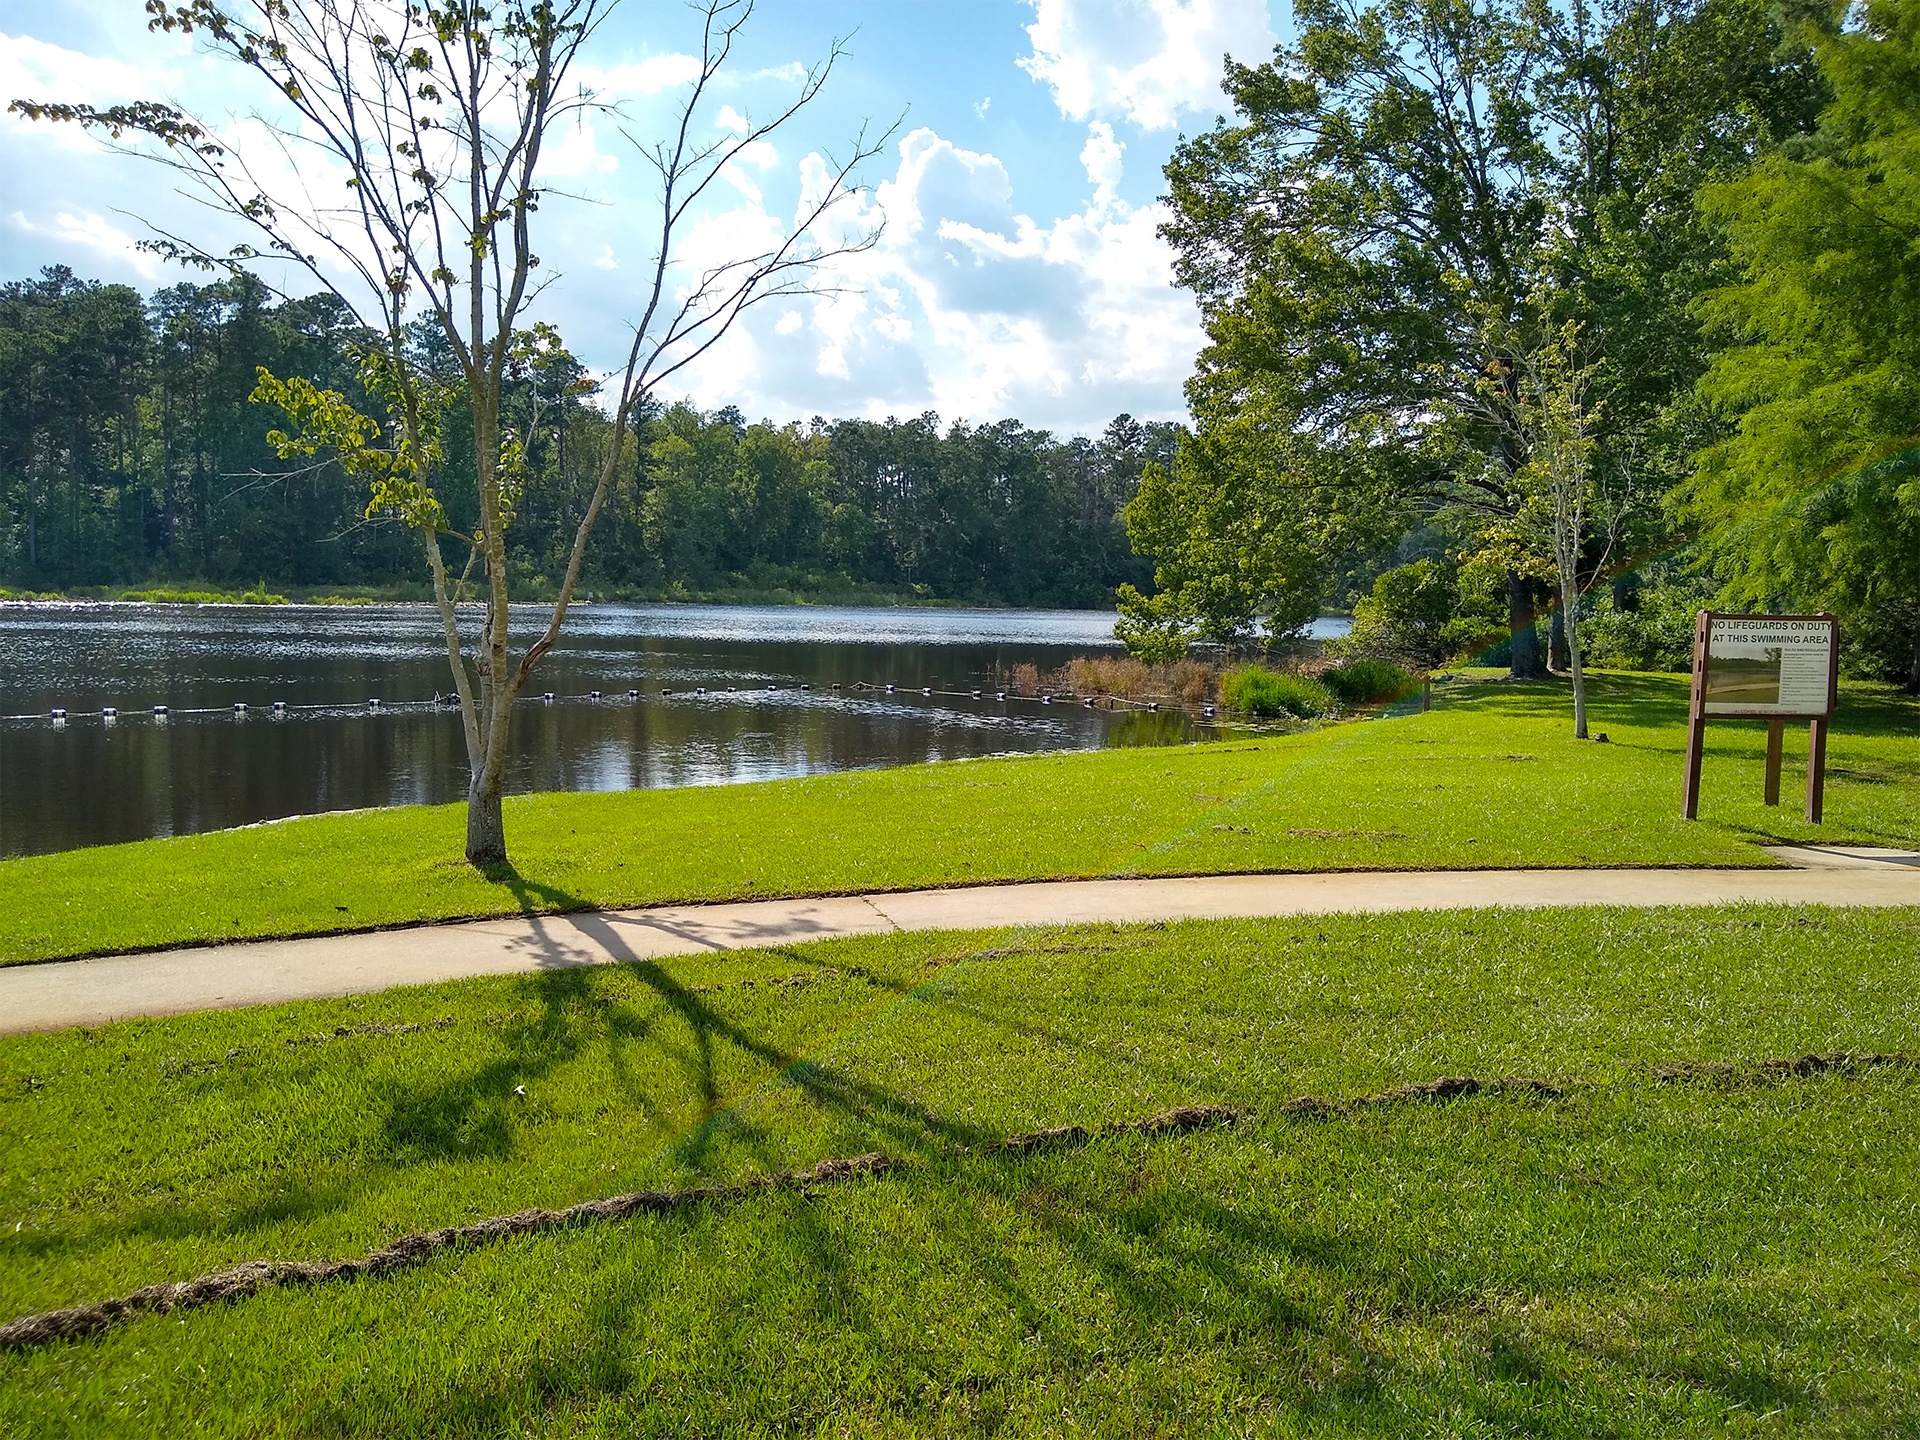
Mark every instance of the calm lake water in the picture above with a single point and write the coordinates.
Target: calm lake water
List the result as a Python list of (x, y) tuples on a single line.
[(91, 782)]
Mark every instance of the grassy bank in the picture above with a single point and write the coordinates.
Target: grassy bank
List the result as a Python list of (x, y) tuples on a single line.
[(1632, 1258), (1491, 778)]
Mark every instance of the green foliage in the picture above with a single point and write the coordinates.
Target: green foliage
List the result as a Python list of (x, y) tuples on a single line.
[(161, 595), (1368, 682), (1409, 198), (1255, 690), (1547, 1260), (1231, 552), (1411, 615), (1649, 627), (1814, 498)]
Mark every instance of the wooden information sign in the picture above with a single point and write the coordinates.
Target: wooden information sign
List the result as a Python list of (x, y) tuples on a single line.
[(1772, 667)]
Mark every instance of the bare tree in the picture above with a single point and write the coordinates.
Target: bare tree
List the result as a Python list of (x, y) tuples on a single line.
[(401, 170)]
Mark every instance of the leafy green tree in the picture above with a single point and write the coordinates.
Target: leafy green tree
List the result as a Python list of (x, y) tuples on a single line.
[(1409, 616), (1411, 196), (1813, 499), (1239, 534)]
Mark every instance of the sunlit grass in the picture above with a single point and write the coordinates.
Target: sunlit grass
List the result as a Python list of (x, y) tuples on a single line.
[(1491, 778), (1633, 1258)]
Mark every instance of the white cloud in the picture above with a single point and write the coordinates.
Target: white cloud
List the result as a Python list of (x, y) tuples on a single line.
[(648, 76), (980, 110), (968, 306), (89, 232), (1103, 158), (34, 69), (1147, 61)]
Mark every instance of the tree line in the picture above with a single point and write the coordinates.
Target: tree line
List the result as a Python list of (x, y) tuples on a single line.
[(131, 452), (1592, 313)]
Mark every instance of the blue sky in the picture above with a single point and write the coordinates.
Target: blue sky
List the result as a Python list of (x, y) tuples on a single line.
[(1019, 273)]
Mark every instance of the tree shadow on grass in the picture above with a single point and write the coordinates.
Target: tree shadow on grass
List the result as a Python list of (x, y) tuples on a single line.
[(534, 897), (1209, 1301)]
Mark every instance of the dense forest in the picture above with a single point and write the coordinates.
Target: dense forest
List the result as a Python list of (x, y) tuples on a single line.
[(130, 453)]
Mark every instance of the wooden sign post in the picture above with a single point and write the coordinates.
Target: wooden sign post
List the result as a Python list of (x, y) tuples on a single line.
[(1772, 667)]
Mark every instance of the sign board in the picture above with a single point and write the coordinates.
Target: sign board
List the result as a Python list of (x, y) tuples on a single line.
[(1768, 665)]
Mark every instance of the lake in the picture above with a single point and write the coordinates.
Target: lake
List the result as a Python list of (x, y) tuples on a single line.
[(90, 781)]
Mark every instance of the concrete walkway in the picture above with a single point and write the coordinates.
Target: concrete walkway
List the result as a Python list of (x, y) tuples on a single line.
[(171, 982)]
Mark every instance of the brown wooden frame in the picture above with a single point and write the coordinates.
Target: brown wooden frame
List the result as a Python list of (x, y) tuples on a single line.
[(1819, 721)]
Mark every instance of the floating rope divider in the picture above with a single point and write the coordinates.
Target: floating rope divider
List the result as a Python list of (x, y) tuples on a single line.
[(374, 705)]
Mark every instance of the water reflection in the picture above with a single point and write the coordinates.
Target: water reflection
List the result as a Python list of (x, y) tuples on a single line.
[(207, 766)]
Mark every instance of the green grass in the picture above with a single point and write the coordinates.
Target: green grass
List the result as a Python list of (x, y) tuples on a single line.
[(1490, 779), (164, 596), (1633, 1259)]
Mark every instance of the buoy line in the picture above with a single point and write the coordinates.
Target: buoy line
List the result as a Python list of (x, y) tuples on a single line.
[(240, 709)]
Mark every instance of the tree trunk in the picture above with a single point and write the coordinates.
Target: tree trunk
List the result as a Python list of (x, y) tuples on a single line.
[(486, 828), (1557, 655), (1569, 598), (1524, 647), (1913, 673)]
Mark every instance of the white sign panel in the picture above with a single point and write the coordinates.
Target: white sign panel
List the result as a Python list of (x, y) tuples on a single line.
[(1765, 665)]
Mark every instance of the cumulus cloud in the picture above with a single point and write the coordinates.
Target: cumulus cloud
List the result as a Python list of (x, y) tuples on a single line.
[(1147, 61), (90, 232), (40, 70), (969, 306)]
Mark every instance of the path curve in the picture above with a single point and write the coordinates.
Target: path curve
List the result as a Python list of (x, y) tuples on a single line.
[(170, 982)]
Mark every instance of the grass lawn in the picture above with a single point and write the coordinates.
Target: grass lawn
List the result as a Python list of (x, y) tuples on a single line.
[(1633, 1258), (1491, 778)]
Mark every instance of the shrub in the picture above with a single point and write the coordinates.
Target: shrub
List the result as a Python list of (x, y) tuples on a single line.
[(1107, 675), (1255, 690), (1368, 682), (1191, 680), (204, 597), (1407, 614)]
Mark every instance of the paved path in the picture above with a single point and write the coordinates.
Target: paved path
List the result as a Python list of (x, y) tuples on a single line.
[(171, 982)]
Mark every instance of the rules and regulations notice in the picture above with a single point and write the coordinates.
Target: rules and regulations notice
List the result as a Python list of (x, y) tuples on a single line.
[(1768, 665)]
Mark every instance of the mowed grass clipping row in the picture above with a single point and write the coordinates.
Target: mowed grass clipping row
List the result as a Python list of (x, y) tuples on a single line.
[(1635, 1257), (1492, 778)]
